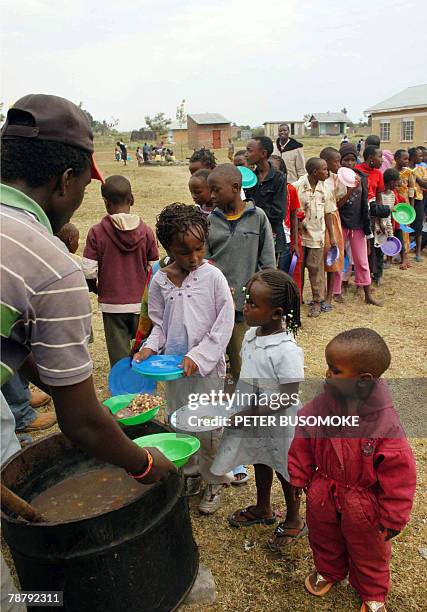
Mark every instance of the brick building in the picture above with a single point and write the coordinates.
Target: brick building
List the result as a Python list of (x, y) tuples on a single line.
[(208, 130), (401, 121)]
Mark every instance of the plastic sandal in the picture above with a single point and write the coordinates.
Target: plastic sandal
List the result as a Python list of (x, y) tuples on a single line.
[(326, 307), (240, 469), (287, 532), (252, 518), (314, 589)]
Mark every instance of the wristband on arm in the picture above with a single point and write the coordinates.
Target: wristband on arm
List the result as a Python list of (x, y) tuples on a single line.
[(148, 468)]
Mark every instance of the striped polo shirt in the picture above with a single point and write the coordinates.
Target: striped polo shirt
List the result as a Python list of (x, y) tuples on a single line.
[(44, 302)]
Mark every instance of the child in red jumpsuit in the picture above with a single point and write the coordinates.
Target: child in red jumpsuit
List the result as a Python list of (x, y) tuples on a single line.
[(360, 485)]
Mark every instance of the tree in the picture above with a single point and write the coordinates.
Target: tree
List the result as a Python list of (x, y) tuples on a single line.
[(258, 131), (159, 123), (88, 115), (344, 110), (181, 115), (100, 127), (2, 115)]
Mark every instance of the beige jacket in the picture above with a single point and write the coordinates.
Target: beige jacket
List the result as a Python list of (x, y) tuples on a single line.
[(294, 160)]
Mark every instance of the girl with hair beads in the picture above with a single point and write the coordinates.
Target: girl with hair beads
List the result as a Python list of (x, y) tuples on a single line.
[(272, 367), (192, 312), (359, 480)]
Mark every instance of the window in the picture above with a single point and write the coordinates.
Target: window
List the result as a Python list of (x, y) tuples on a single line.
[(385, 131), (407, 130)]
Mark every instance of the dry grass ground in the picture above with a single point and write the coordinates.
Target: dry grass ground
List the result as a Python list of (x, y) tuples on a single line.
[(258, 580)]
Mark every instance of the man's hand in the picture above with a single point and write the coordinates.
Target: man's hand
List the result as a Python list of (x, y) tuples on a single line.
[(161, 470), (388, 533), (189, 366), (333, 242), (296, 251), (143, 355)]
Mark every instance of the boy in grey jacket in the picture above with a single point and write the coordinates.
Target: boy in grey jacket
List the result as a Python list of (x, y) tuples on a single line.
[(240, 243)]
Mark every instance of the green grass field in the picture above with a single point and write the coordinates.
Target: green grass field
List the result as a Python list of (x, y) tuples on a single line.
[(258, 580)]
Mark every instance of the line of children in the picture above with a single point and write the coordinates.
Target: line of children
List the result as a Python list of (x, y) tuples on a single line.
[(318, 205), (193, 314), (272, 364), (420, 174), (121, 246), (192, 311), (356, 224), (240, 242), (360, 487), (269, 193), (339, 192)]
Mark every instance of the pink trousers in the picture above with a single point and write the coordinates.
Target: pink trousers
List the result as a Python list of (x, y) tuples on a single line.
[(359, 251)]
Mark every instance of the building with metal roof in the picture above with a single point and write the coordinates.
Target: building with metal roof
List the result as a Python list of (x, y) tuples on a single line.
[(210, 130), (401, 120), (328, 124)]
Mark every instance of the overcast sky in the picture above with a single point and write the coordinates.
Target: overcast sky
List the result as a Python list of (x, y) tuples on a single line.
[(250, 60)]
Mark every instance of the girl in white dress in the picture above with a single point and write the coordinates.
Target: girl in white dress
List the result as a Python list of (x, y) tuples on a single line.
[(272, 368)]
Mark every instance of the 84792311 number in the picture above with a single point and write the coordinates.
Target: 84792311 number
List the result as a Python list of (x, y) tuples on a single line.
[(35, 598)]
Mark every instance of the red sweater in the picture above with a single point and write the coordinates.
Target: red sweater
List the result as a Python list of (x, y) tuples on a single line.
[(122, 257), (375, 180), (378, 465)]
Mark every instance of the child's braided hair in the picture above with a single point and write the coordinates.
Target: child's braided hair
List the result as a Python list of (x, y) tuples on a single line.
[(284, 293), (205, 156), (180, 218)]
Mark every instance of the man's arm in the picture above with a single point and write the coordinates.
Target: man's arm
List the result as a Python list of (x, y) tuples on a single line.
[(91, 426), (300, 163)]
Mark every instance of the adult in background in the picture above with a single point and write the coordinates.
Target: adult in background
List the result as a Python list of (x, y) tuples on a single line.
[(123, 151), (290, 150), (146, 150), (46, 165), (230, 148)]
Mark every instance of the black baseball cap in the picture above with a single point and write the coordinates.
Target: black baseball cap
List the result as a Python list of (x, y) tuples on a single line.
[(54, 119)]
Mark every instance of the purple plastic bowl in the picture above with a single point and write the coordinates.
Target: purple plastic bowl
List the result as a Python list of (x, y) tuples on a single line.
[(293, 265), (332, 255), (392, 247)]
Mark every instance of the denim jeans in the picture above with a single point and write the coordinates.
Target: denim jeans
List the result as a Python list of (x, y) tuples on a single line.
[(18, 396), (285, 258)]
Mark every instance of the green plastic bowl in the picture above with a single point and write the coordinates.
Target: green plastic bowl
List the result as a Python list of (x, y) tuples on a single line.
[(404, 213), (178, 448), (117, 402)]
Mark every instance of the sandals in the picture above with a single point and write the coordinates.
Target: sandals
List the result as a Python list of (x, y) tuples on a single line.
[(326, 307), (315, 310), (295, 533), (240, 469), (338, 297), (373, 606), (317, 585), (192, 486), (250, 518)]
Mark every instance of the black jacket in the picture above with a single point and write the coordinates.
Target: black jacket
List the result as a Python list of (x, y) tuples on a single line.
[(345, 210), (270, 196)]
